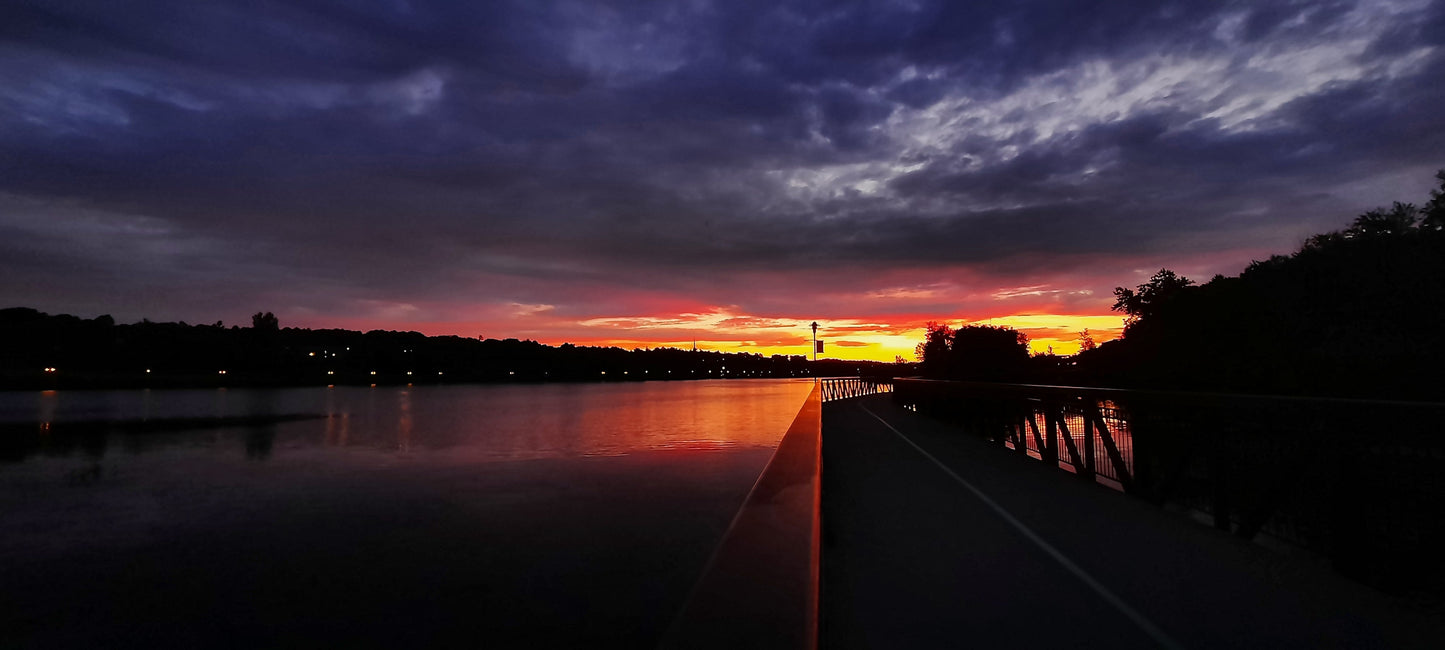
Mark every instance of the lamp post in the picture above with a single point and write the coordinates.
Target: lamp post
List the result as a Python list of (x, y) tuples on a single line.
[(815, 340)]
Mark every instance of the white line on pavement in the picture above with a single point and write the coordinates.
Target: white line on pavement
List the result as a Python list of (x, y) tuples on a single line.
[(1132, 614)]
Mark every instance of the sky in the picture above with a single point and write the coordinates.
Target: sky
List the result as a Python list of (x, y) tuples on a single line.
[(648, 174)]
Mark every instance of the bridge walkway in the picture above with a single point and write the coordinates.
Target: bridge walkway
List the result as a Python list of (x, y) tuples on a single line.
[(934, 539)]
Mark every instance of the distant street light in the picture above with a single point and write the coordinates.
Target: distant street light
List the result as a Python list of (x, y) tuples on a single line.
[(815, 340)]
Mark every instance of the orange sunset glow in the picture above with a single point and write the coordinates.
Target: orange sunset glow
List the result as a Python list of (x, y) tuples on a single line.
[(875, 339), (876, 317), (844, 338)]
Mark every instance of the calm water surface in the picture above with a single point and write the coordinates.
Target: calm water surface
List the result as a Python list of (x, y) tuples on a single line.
[(540, 515)]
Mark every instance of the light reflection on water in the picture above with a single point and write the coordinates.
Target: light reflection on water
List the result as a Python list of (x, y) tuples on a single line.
[(482, 422), (567, 515)]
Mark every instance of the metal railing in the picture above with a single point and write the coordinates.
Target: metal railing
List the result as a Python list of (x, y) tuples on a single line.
[(1089, 438), (1358, 481), (836, 388)]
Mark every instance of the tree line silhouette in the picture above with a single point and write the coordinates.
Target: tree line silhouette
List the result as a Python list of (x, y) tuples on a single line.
[(39, 350), (1355, 312)]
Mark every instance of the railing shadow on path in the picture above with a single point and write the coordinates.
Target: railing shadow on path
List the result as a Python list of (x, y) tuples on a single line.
[(1356, 481), (935, 538)]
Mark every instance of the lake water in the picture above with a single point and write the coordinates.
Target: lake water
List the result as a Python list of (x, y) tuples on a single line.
[(501, 516)]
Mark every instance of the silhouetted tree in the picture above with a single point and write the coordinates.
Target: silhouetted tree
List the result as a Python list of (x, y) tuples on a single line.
[(989, 353), (1398, 220), (266, 322), (933, 351), (1434, 211), (1352, 312), (974, 352), (1148, 298)]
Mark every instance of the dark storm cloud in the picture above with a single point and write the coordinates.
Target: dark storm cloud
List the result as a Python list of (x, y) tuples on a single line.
[(476, 150)]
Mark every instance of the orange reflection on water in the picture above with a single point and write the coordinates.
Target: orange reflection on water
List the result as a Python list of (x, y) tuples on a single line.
[(513, 422), (404, 423), (338, 428), (706, 415), (48, 404)]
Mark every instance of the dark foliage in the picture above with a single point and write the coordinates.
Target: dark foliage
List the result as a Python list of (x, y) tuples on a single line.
[(975, 353), (38, 350), (1356, 312), (1150, 298), (933, 357), (266, 321)]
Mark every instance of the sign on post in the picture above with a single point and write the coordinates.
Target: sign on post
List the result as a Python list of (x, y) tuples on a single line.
[(818, 347)]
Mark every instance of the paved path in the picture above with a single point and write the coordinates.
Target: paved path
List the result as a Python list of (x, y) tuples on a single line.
[(933, 539)]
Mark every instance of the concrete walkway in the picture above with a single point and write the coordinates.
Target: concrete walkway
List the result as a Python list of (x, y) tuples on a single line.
[(933, 539)]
